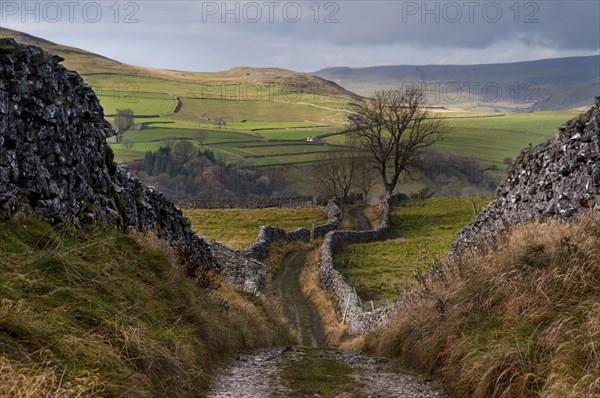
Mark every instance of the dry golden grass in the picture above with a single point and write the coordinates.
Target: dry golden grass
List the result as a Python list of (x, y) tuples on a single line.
[(19, 380), (97, 313), (518, 320), (335, 333)]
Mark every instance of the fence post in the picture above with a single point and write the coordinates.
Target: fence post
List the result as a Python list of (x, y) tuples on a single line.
[(346, 309)]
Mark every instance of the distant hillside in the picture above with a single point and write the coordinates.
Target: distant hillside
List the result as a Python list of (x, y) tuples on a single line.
[(249, 106), (75, 58), (88, 63), (548, 84)]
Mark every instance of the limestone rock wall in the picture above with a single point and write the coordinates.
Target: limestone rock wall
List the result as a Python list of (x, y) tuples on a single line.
[(560, 178), (246, 273), (56, 164), (333, 213)]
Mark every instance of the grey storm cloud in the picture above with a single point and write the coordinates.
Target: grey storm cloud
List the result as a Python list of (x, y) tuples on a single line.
[(308, 35), (474, 24)]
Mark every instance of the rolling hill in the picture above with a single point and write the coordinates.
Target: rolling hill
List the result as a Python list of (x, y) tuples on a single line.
[(270, 112), (258, 105), (88, 63), (547, 84)]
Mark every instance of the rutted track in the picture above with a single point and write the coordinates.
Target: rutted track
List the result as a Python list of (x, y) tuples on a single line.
[(263, 374), (298, 309), (360, 221)]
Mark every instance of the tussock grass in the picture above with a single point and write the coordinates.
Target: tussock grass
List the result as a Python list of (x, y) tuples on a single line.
[(98, 313), (518, 320)]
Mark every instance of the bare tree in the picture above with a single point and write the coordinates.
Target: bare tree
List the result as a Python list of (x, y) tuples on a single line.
[(395, 126), (334, 172), (122, 119), (365, 175), (201, 136)]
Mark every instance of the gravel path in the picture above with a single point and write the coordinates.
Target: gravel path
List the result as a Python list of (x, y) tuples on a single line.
[(252, 376), (259, 375)]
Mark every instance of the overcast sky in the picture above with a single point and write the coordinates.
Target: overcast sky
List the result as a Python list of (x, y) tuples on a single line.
[(310, 35)]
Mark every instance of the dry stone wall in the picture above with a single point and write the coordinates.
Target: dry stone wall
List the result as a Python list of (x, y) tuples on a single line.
[(334, 214), (259, 249), (249, 203), (262, 202), (246, 273), (332, 281), (267, 234)]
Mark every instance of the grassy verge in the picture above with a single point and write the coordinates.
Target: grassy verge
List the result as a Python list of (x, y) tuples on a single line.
[(335, 333), (238, 227), (97, 313), (518, 320), (422, 231)]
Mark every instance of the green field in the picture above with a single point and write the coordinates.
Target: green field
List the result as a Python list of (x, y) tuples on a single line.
[(142, 104), (258, 105), (422, 231), (264, 112), (490, 138), (269, 104), (238, 227), (495, 138)]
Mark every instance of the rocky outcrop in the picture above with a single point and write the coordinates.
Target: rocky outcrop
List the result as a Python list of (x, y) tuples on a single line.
[(56, 164), (332, 281), (559, 179)]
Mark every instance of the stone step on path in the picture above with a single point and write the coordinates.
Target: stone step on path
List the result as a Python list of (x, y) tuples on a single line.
[(252, 376), (260, 375)]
